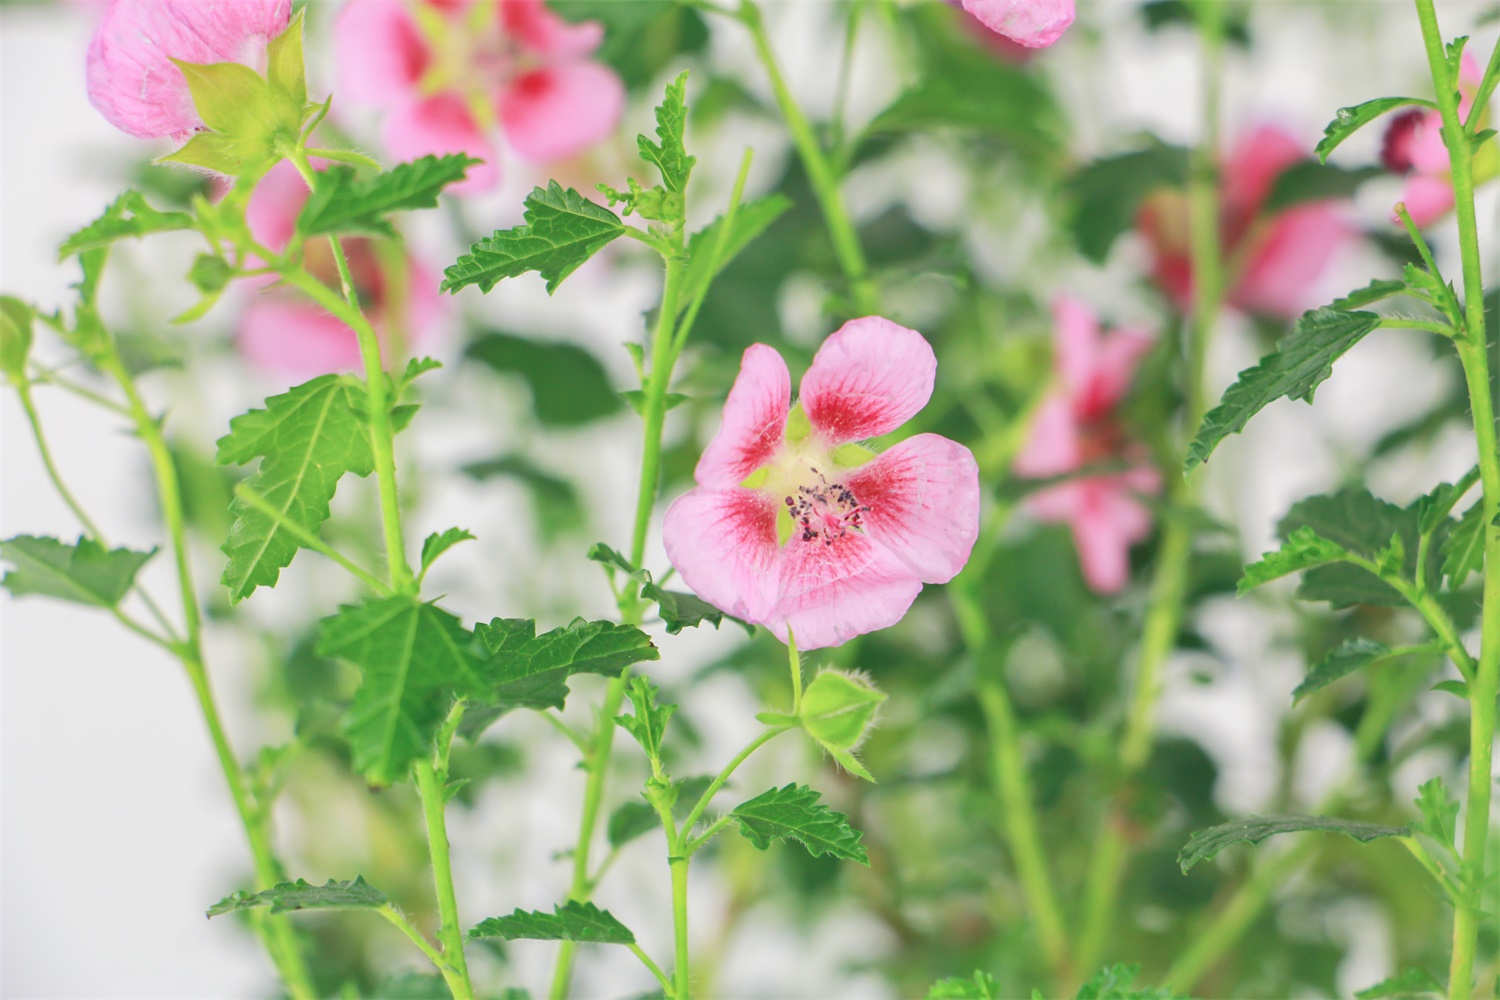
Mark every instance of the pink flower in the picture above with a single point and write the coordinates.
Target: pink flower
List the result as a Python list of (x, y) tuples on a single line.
[(131, 79), (795, 526), (1032, 23), (1414, 147), (285, 333), (447, 72), (1076, 427), (1274, 262)]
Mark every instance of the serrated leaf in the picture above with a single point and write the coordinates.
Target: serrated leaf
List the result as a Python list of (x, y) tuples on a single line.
[(649, 723), (1347, 121), (303, 895), (1439, 811), (563, 229), (83, 573), (572, 921), (414, 659), (1362, 524), (669, 154), (1299, 364), (1312, 180), (344, 200), (1376, 290), (307, 439), (285, 67), (569, 386), (1355, 653), (1463, 549), (1115, 982), (750, 220), (980, 986), (793, 812), (1105, 195), (437, 543), (1434, 507), (1405, 985), (1204, 844), (678, 610), (128, 216), (1303, 549)]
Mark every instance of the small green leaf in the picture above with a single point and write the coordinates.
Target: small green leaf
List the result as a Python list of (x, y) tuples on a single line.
[(1303, 549), (1463, 549), (128, 216), (16, 321), (231, 98), (83, 573), (1311, 180), (1204, 844), (669, 153), (649, 723), (1409, 984), (569, 386), (637, 400), (437, 543), (1377, 289), (838, 709), (563, 229), (678, 610), (1114, 982), (793, 812), (1439, 810), (1347, 121), (980, 986), (1301, 361), (303, 895), (284, 63), (1361, 524), (344, 200), (1356, 653), (572, 921)]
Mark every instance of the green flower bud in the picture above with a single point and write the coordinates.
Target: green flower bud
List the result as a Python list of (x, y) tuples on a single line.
[(838, 711), (15, 335)]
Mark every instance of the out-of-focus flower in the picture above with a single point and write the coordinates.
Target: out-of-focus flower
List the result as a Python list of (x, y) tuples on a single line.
[(1076, 427), (286, 334), (448, 73), (1272, 260), (794, 525), (1032, 23), (131, 78), (1414, 147)]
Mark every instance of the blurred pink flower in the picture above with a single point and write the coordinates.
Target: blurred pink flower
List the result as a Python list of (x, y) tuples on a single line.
[(1032, 23), (446, 73), (284, 333), (793, 525), (131, 79), (1273, 261), (1414, 147), (1077, 427)]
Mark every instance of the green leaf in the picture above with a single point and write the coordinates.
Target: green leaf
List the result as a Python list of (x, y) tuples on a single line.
[(634, 819), (1114, 982), (669, 154), (1377, 289), (1361, 524), (83, 573), (1463, 549), (1356, 653), (303, 895), (1406, 985), (569, 387), (1204, 844), (1347, 121), (307, 439), (1301, 361), (637, 400), (1439, 810), (980, 986), (344, 200), (233, 99), (414, 659), (750, 220), (437, 543), (649, 723), (563, 229), (1011, 103), (284, 63), (838, 709), (16, 322), (572, 921), (793, 812), (128, 216), (210, 273), (1303, 549), (678, 610), (1105, 196), (1311, 180)]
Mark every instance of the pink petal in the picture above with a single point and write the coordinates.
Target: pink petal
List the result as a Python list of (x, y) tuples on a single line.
[(1096, 369), (1061, 502), (1397, 147), (1032, 23), (723, 543), (131, 79), (1053, 444), (754, 420), (1425, 148), (439, 125), (559, 111), (923, 499), (1254, 163), (545, 33), (1469, 78), (274, 205), (296, 338), (1108, 523), (1427, 198), (1282, 269), (380, 51), (868, 378), (832, 593), (1075, 336)]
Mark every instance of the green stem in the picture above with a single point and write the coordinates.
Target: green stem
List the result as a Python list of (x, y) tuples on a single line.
[(398, 920), (794, 663), (681, 988), (1473, 350), (309, 540), (696, 813), (820, 172), (653, 968), (450, 931), (28, 406)]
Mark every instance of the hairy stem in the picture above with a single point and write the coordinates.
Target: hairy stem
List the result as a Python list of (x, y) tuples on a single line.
[(450, 931), (681, 969)]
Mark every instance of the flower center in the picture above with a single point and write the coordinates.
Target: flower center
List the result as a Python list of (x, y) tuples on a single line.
[(470, 54), (824, 511)]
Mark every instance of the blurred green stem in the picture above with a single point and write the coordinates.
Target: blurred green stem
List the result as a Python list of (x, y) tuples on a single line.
[(1164, 609), (1473, 352), (820, 171), (450, 932)]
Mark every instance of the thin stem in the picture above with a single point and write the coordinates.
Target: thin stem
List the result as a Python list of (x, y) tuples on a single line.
[(696, 813), (28, 406), (846, 68), (794, 663), (399, 921), (450, 932), (1473, 352), (697, 843), (716, 259), (820, 171), (50, 377), (653, 968), (307, 539), (681, 972)]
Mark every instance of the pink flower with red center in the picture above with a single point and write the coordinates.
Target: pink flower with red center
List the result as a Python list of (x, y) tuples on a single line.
[(449, 74), (1077, 427), (1273, 260), (1034, 24), (285, 333), (131, 78), (796, 526), (1414, 147)]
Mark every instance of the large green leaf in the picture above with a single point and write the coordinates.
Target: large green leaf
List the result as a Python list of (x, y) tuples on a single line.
[(1300, 363), (1204, 844), (414, 659), (84, 572), (307, 439), (569, 387), (346, 201), (563, 229), (127, 216), (572, 921), (793, 812), (303, 895), (1106, 194), (1309, 180)]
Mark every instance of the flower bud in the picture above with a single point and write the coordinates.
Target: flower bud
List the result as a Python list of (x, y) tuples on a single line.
[(838, 711)]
